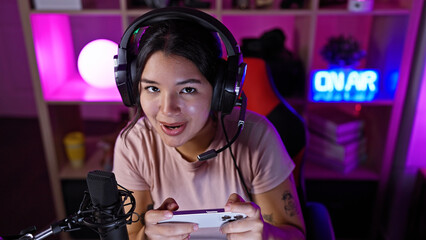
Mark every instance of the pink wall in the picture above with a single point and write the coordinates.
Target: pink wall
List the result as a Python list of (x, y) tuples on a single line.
[(254, 26), (16, 93)]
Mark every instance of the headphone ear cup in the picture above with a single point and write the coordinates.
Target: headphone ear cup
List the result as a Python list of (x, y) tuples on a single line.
[(219, 87), (133, 82), (230, 93), (123, 78)]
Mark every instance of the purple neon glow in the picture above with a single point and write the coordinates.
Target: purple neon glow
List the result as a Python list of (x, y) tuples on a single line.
[(95, 63), (417, 148), (57, 65)]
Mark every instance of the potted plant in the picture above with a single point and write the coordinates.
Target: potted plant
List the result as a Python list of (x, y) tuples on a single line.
[(342, 51)]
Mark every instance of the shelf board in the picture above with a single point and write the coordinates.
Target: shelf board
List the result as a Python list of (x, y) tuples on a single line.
[(137, 12), (378, 9), (268, 12), (372, 103), (89, 12), (340, 9), (77, 91), (314, 171)]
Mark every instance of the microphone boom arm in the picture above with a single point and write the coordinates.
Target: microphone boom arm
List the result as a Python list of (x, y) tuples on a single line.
[(84, 218)]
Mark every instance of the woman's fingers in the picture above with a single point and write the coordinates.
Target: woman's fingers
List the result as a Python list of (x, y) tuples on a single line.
[(172, 230), (155, 216), (233, 198), (242, 225), (250, 209), (157, 230), (248, 228), (164, 212), (237, 204), (169, 204)]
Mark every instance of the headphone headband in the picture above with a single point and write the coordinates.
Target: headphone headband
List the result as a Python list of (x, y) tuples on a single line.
[(206, 20)]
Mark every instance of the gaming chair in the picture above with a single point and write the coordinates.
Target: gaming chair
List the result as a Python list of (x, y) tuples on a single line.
[(264, 99)]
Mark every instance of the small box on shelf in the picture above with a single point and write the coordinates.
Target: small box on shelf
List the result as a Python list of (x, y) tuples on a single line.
[(360, 5), (57, 4)]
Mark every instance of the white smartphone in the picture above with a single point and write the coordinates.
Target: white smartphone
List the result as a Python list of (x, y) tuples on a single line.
[(206, 218)]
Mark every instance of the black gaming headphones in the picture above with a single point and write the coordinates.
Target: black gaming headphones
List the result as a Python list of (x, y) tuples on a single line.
[(230, 77)]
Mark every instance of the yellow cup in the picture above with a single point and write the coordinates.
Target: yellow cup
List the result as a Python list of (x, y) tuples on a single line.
[(74, 148)]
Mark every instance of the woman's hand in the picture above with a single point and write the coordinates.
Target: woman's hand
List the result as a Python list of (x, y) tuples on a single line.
[(153, 230), (249, 228)]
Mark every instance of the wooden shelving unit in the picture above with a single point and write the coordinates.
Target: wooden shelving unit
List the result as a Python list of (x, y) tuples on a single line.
[(307, 29)]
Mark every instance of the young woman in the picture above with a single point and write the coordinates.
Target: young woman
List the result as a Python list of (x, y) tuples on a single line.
[(156, 154)]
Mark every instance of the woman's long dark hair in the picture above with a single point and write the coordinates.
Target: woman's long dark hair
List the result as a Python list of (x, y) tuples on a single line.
[(181, 38)]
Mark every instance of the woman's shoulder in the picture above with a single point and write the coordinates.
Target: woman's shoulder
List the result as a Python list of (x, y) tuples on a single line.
[(256, 126), (253, 120), (141, 130), (139, 141), (256, 118)]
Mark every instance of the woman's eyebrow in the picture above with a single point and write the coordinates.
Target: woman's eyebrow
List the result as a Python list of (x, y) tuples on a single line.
[(189, 81), (144, 80)]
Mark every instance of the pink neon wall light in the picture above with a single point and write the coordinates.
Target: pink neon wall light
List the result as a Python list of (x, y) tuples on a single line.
[(57, 64)]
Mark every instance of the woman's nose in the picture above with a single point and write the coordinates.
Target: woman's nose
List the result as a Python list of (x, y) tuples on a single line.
[(170, 104)]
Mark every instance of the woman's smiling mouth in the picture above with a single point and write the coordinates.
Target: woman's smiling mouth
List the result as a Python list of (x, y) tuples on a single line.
[(172, 129)]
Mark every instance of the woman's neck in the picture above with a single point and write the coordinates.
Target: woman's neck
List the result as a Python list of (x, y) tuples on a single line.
[(199, 144)]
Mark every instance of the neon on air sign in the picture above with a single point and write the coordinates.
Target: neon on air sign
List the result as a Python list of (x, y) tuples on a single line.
[(341, 85)]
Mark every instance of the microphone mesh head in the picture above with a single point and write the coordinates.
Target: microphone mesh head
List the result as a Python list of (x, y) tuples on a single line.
[(102, 188)]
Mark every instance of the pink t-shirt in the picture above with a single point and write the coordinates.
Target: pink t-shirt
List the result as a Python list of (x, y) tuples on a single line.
[(143, 162)]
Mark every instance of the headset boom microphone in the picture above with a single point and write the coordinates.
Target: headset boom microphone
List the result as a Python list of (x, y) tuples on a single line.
[(105, 197)]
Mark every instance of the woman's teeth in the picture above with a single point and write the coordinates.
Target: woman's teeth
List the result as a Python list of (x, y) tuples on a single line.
[(172, 127)]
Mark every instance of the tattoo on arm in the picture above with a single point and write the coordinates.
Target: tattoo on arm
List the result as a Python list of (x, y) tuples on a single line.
[(290, 205), (142, 216), (268, 217), (150, 207)]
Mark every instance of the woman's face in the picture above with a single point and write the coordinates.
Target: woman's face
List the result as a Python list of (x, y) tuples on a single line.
[(175, 97)]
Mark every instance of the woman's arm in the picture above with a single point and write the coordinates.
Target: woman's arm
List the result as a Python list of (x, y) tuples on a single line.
[(143, 204), (281, 208), (275, 214)]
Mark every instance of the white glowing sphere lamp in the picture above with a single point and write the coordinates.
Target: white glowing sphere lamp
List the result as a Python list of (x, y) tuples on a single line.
[(95, 63)]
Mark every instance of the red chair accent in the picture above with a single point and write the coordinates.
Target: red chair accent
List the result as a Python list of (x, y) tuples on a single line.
[(261, 97)]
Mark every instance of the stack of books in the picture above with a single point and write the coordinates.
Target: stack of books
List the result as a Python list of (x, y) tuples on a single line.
[(335, 140)]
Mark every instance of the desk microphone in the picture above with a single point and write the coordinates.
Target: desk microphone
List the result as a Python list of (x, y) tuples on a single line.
[(242, 102), (106, 200), (102, 212)]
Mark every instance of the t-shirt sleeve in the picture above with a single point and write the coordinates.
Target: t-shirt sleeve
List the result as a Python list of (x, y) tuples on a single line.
[(272, 164), (128, 163)]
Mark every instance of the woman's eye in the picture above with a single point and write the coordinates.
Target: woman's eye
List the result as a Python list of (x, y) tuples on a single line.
[(152, 89), (188, 90)]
